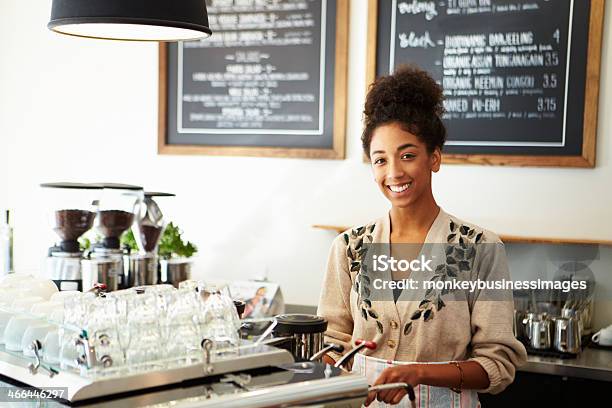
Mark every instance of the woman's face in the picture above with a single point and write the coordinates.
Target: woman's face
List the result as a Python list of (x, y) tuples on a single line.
[(401, 164)]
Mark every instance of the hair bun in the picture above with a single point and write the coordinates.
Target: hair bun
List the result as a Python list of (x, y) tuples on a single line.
[(410, 97), (418, 90)]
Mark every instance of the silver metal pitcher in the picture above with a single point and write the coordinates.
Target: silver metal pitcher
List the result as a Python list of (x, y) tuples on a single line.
[(526, 324), (567, 335), (540, 334), (519, 325), (576, 315)]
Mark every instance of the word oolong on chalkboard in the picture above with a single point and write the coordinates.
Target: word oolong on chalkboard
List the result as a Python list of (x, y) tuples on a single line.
[(520, 77), (270, 81)]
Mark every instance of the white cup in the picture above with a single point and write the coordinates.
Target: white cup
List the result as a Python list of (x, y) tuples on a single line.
[(24, 304), (8, 296), (603, 337), (38, 287), (15, 329), (34, 332), (5, 317)]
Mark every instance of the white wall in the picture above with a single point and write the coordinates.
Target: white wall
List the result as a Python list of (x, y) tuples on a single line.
[(86, 110)]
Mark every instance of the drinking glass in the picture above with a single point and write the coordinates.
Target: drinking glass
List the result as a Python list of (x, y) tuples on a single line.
[(144, 332), (73, 320), (219, 321), (101, 327), (180, 324)]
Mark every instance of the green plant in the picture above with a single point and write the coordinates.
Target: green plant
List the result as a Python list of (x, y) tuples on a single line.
[(171, 243), (84, 243), (127, 239)]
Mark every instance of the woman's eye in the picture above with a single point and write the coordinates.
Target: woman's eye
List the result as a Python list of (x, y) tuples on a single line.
[(408, 156), (379, 161)]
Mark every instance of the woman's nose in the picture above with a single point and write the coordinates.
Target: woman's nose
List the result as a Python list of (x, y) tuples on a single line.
[(395, 170)]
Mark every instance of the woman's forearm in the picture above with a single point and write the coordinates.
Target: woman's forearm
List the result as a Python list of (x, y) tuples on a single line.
[(449, 375)]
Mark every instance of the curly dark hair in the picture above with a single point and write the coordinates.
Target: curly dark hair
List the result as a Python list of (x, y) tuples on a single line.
[(411, 98)]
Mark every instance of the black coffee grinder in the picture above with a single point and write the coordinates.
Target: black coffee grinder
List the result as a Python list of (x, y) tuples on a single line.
[(71, 216)]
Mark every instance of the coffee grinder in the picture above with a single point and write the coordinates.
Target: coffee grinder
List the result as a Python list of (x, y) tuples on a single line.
[(115, 213), (147, 230), (71, 216)]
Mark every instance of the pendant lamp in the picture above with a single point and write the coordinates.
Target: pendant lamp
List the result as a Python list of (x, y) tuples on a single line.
[(132, 20)]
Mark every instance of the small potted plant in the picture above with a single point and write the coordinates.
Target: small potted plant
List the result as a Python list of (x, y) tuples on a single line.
[(173, 252)]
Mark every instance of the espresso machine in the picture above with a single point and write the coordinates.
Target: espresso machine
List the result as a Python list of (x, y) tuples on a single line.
[(71, 216), (148, 229), (116, 209)]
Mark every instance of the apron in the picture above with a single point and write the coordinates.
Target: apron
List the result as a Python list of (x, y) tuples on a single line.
[(426, 396)]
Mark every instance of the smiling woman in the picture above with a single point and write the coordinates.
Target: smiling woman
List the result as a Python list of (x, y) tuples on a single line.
[(403, 137), (446, 344)]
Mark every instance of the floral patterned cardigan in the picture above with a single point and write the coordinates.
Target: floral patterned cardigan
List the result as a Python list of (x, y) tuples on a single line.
[(425, 325)]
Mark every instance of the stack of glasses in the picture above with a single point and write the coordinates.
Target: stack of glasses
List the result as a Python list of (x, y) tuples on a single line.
[(138, 329), (150, 327)]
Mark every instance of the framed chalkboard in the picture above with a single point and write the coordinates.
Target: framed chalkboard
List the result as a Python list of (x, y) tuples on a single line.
[(520, 77), (270, 81)]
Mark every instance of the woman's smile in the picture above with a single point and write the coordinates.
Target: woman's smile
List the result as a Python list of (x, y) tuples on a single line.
[(399, 189)]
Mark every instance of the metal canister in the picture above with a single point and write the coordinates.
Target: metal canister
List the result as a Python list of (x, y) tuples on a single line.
[(540, 334), (175, 271), (143, 271), (306, 332), (106, 271), (567, 335)]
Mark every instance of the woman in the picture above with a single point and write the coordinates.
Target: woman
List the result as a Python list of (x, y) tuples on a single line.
[(448, 344)]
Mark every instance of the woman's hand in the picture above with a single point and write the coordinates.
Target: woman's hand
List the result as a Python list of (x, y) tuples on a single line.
[(328, 360), (409, 374)]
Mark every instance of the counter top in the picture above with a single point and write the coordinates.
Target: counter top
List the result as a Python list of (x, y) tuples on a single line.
[(594, 364)]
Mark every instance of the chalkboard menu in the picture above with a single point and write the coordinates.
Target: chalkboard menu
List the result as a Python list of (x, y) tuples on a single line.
[(270, 81), (520, 77)]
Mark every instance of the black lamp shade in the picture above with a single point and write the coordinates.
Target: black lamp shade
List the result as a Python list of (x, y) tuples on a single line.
[(137, 20)]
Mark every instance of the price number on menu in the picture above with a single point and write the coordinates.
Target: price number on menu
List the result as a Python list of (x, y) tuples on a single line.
[(548, 104), (549, 81), (551, 59)]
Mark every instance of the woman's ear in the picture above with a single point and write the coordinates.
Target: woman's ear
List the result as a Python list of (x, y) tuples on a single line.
[(436, 160)]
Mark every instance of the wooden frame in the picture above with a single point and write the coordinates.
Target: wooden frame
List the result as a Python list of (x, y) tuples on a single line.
[(339, 110), (586, 159)]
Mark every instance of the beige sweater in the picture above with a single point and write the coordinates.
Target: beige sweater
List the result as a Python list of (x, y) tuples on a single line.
[(467, 326)]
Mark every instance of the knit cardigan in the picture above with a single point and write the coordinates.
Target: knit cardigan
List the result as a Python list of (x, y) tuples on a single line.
[(442, 326)]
